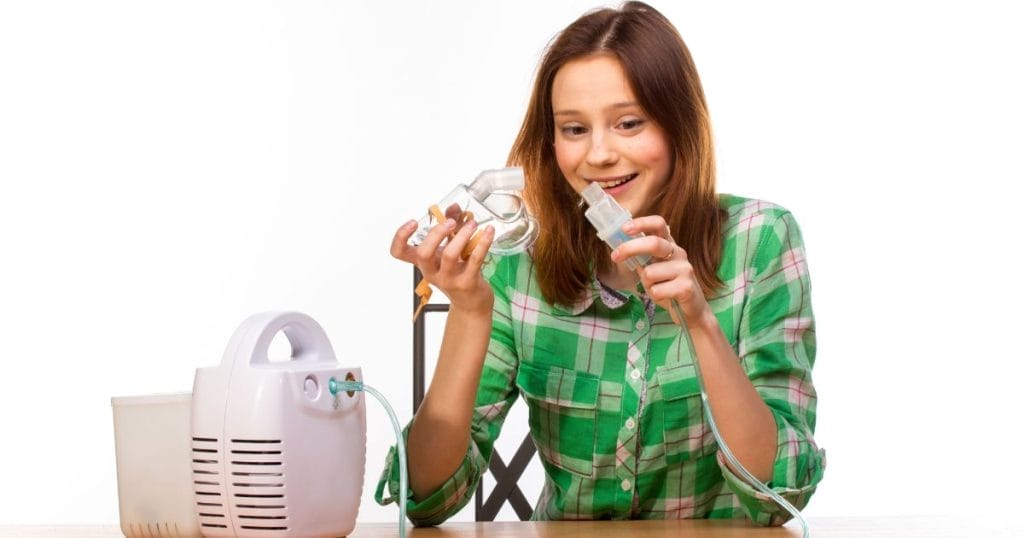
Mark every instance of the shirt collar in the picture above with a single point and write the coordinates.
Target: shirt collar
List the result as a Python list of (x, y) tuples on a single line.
[(610, 297)]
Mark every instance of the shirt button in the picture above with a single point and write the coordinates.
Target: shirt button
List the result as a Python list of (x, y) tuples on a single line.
[(635, 374), (630, 423), (627, 485), (640, 325)]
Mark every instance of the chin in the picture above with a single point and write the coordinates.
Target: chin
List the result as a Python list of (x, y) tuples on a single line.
[(635, 209)]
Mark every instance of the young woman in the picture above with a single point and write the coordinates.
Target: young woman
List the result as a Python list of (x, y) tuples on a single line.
[(615, 408)]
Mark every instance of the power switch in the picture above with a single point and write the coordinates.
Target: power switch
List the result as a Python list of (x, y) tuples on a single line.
[(311, 388)]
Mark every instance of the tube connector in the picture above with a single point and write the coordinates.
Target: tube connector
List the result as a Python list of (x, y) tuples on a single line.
[(500, 180), (336, 386)]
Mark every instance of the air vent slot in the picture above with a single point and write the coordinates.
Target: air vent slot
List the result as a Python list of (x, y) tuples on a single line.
[(153, 530), (208, 483), (258, 484)]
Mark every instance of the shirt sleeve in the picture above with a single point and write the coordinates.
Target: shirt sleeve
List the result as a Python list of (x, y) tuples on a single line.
[(496, 394), (777, 348)]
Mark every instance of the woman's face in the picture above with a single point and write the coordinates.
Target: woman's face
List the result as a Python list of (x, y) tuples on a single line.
[(602, 135)]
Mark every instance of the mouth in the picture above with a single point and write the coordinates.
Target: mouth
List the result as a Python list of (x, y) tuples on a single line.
[(615, 182)]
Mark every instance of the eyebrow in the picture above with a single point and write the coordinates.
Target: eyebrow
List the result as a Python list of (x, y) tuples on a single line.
[(625, 104)]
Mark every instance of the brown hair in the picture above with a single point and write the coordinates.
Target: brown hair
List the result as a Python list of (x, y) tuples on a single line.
[(664, 79)]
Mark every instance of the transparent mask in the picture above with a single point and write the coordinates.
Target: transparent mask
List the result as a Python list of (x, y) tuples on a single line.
[(493, 200)]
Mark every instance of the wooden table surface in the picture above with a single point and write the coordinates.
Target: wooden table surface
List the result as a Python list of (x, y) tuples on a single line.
[(880, 527)]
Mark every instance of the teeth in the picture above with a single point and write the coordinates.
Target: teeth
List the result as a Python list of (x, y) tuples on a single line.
[(610, 184)]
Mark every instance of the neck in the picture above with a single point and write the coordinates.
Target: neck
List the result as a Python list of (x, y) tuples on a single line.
[(619, 277)]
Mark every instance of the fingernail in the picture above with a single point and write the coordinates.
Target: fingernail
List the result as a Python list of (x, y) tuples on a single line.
[(471, 225), (628, 226), (410, 224), (450, 223)]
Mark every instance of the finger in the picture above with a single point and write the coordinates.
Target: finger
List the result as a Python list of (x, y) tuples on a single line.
[(659, 291), (668, 248), (667, 271), (464, 218), (427, 250), (637, 246), (400, 247), (451, 254), (650, 278), (479, 252), (649, 225), (667, 293)]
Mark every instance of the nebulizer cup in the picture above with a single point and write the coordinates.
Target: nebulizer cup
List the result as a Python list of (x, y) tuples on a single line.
[(492, 199)]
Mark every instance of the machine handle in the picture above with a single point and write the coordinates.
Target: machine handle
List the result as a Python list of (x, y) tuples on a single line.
[(308, 340)]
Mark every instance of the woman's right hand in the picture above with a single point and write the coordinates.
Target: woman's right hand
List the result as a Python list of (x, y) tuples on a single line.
[(443, 266), (440, 434)]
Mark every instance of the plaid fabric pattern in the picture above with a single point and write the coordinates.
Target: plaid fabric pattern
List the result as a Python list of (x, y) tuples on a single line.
[(614, 403)]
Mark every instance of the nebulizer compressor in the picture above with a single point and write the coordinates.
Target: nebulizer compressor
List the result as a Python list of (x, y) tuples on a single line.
[(264, 448), (259, 447)]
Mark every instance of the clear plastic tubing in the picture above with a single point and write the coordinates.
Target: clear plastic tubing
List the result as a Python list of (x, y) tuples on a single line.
[(608, 216), (403, 488), (735, 464)]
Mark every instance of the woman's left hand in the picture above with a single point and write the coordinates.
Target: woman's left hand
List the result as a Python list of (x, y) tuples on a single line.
[(669, 274)]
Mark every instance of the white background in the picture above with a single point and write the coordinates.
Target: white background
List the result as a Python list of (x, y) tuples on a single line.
[(169, 168)]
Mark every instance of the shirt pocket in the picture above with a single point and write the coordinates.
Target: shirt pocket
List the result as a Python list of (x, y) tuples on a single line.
[(685, 433), (563, 415)]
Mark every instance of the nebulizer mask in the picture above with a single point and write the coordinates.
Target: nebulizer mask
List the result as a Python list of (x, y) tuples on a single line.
[(491, 199)]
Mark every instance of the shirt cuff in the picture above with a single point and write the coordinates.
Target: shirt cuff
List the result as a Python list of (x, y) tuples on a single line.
[(447, 500), (799, 467)]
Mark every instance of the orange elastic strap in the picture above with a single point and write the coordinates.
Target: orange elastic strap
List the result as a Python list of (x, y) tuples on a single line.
[(423, 289)]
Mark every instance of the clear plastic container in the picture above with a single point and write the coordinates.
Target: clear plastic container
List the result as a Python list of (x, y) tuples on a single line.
[(154, 465), (608, 216)]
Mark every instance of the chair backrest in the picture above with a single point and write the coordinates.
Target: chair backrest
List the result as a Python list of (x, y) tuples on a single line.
[(505, 476)]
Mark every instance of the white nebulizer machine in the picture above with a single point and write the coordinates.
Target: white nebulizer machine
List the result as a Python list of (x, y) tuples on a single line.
[(261, 448), (607, 216), (274, 452)]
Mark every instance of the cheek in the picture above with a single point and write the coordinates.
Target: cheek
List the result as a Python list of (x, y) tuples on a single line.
[(655, 154), (566, 158)]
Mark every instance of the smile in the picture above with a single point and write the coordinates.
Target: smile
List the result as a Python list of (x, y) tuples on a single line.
[(616, 182)]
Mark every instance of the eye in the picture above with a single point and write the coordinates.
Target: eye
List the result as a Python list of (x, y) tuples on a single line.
[(573, 130), (631, 124)]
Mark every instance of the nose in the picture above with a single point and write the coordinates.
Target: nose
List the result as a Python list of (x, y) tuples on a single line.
[(601, 152)]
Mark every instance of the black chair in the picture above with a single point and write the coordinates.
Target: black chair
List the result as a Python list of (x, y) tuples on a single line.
[(505, 488)]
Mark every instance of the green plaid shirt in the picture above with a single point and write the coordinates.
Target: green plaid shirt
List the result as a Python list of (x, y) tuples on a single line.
[(614, 405)]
